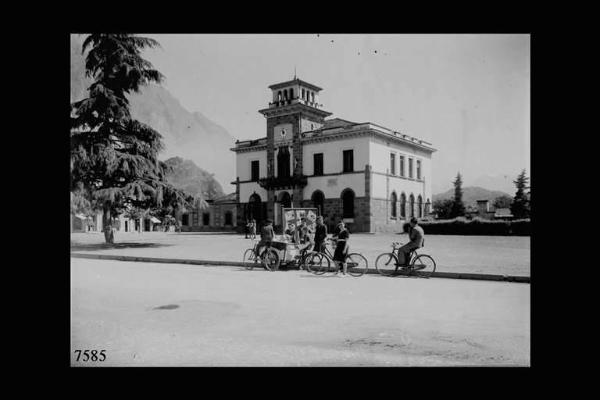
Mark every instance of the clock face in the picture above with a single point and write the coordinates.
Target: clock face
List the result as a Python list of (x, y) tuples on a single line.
[(283, 133)]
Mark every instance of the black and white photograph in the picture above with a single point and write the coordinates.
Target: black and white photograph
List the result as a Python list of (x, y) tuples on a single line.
[(300, 200)]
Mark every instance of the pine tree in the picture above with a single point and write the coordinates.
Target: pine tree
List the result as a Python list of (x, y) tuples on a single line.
[(458, 207), (114, 158), (520, 206)]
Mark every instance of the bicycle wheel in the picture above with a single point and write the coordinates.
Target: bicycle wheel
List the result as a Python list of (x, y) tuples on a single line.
[(385, 264), (250, 260), (271, 260), (317, 263), (423, 265), (356, 264), (303, 261)]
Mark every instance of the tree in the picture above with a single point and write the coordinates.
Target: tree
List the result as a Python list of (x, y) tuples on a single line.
[(114, 158), (520, 207), (503, 201), (443, 208), (458, 207)]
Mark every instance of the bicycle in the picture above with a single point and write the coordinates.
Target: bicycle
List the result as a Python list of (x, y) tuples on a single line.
[(269, 258), (422, 265), (320, 262)]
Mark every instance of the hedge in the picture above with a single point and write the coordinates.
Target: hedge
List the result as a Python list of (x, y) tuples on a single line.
[(476, 226)]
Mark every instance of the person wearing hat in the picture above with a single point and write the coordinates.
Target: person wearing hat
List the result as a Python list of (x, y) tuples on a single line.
[(266, 236), (341, 249), (416, 236)]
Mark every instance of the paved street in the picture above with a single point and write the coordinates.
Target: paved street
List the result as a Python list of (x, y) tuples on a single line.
[(506, 255), (146, 314)]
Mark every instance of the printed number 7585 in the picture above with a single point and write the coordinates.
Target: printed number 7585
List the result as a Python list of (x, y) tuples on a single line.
[(91, 355)]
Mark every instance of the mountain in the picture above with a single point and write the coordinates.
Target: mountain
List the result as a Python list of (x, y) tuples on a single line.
[(471, 194), (189, 135), (187, 176), (502, 183)]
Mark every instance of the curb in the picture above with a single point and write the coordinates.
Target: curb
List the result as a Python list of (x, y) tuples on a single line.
[(449, 275)]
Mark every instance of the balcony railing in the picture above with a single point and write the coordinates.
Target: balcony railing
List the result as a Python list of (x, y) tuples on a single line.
[(274, 182)]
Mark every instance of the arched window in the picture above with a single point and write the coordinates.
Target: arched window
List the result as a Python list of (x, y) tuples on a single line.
[(285, 199), (255, 208), (411, 205), (285, 94), (420, 207), (347, 203), (394, 200), (228, 218), (303, 94), (312, 97), (283, 162), (291, 94), (403, 205), (318, 200)]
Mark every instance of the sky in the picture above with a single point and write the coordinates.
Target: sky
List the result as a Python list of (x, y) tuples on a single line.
[(468, 95)]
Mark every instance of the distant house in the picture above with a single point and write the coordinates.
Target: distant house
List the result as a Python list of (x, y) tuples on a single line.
[(221, 214), (503, 213), (81, 223)]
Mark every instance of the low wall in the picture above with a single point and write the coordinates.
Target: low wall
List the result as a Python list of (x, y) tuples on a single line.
[(477, 226)]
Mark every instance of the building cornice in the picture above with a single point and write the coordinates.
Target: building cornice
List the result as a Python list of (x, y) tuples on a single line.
[(293, 108), (361, 132), (249, 149), (295, 82)]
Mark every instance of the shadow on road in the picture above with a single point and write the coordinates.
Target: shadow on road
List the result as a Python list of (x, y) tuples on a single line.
[(123, 245)]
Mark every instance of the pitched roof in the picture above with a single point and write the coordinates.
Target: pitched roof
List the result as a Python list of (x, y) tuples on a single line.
[(225, 199)]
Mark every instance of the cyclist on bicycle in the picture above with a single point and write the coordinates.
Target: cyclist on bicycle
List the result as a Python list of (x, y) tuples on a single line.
[(266, 236), (416, 236)]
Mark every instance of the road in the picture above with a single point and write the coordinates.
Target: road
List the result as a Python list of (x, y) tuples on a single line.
[(147, 314), (504, 255)]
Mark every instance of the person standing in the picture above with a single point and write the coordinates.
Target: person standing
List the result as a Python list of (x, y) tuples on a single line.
[(416, 236), (266, 236), (341, 249), (320, 235), (247, 228), (253, 228)]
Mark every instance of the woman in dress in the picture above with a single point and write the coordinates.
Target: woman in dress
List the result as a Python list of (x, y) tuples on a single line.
[(341, 249)]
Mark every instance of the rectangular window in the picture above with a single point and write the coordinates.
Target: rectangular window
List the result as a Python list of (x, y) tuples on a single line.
[(318, 163), (410, 167), (418, 169), (401, 165), (205, 219), (393, 163), (348, 160), (254, 168)]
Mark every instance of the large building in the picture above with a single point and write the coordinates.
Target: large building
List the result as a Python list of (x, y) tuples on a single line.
[(371, 176)]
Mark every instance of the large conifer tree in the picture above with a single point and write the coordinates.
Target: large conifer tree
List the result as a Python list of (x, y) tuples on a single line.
[(114, 158), (458, 207), (520, 207)]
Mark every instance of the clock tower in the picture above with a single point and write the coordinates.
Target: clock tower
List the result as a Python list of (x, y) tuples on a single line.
[(293, 114)]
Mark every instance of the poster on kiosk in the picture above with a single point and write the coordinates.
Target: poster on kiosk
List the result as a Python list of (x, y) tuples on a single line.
[(294, 215)]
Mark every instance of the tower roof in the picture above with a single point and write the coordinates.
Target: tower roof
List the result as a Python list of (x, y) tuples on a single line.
[(295, 81)]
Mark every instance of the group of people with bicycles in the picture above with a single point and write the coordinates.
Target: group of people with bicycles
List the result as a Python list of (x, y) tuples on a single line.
[(306, 237)]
